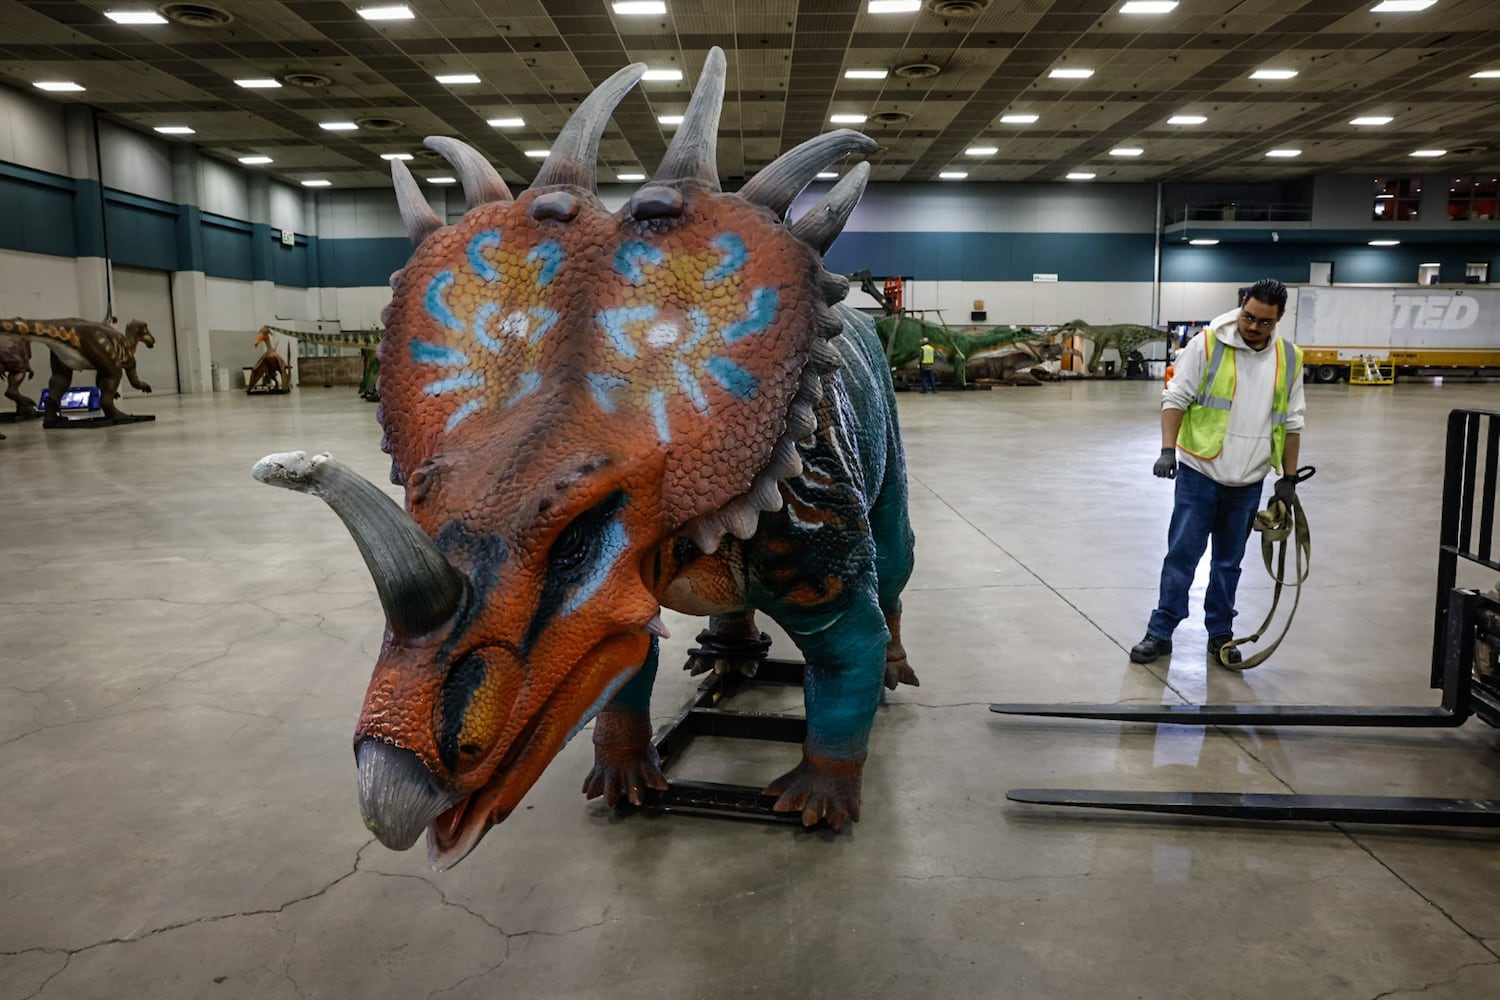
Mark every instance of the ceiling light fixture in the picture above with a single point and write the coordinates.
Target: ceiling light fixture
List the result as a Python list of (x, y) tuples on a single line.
[(337, 126), (1080, 175), (254, 161), (640, 7), (894, 6), (317, 182), (1149, 7), (1372, 120), (1285, 154), (662, 74), (259, 83), (58, 86), (1273, 74), (1429, 153), (135, 17), (953, 175), (539, 154), (452, 79), (391, 12), (981, 150), (1070, 74), (1017, 119), (442, 180), (1186, 120), (174, 129), (395, 156), (1401, 6), (630, 177), (1126, 151), (505, 122), (1486, 74), (866, 74), (669, 119), (1385, 243), (827, 175), (847, 119), (1204, 243)]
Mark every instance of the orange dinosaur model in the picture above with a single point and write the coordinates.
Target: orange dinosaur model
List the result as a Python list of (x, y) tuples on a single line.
[(595, 415), (271, 367)]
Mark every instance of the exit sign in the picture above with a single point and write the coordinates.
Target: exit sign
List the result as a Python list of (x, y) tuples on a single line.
[(288, 238)]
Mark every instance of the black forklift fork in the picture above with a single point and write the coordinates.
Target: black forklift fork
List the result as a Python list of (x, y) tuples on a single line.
[(1461, 619)]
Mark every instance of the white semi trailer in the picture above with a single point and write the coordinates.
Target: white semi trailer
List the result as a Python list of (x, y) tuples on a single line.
[(1413, 330)]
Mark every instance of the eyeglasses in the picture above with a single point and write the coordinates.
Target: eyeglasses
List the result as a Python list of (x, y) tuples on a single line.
[(1259, 324)]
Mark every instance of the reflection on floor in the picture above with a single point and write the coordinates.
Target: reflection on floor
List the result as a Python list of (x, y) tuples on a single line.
[(185, 652)]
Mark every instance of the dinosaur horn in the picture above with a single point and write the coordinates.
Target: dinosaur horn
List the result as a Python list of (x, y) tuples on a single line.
[(418, 217), (778, 184), (419, 589), (481, 183), (693, 152), (825, 220), (574, 154)]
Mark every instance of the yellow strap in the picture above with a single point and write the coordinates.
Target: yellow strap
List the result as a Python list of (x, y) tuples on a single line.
[(1277, 524)]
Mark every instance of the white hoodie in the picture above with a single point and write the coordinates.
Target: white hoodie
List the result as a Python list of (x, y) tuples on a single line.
[(1246, 457)]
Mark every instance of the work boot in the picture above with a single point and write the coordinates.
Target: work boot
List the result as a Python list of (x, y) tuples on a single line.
[(1150, 649), (1216, 643)]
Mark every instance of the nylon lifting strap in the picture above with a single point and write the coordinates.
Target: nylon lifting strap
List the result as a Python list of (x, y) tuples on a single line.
[(1279, 525)]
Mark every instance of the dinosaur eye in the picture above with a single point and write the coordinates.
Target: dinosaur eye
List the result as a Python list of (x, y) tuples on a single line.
[(571, 546)]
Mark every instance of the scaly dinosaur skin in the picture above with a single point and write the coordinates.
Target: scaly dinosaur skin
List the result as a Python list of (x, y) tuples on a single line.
[(78, 345), (272, 367), (15, 364), (595, 415), (1123, 337)]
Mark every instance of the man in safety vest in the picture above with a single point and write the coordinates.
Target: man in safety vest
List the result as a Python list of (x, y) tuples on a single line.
[(927, 381), (1233, 411)]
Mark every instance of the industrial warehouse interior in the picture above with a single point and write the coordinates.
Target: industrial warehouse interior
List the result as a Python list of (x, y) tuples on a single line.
[(224, 242)]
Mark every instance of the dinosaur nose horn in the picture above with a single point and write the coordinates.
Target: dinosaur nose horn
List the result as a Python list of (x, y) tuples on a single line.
[(397, 795), (419, 589)]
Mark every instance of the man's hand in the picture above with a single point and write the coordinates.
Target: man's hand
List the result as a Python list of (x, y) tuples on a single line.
[(1166, 465), (1286, 490)]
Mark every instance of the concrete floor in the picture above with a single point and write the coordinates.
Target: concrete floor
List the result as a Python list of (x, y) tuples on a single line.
[(185, 653)]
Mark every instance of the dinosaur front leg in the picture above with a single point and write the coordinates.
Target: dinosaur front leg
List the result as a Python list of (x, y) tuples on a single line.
[(625, 759), (846, 660), (135, 380), (731, 642)]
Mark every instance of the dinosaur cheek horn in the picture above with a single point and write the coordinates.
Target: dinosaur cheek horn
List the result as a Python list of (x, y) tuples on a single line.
[(419, 589)]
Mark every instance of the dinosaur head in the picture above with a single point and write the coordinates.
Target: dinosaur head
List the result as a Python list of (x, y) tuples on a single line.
[(565, 391), (138, 333)]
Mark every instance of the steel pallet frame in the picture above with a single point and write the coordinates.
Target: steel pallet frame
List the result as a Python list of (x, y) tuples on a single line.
[(1461, 619)]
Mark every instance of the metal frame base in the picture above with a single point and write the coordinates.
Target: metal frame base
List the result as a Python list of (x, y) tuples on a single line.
[(702, 716)]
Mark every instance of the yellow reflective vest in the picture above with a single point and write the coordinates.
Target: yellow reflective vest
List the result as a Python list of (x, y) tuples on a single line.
[(929, 354), (1206, 421)]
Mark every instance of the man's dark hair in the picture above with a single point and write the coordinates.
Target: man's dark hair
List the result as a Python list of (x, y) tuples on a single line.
[(1271, 292)]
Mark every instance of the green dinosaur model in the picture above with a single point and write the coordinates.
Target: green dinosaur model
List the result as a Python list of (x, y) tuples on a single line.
[(902, 338), (366, 340), (1123, 337)]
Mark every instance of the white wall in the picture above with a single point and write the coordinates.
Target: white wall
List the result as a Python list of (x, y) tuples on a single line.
[(286, 208), (231, 305), (1027, 303), (223, 190), (147, 295), (32, 132), (36, 285), (135, 163)]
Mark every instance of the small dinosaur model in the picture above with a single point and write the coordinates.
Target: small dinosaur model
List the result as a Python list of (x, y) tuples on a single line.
[(15, 364), (595, 415), (365, 340), (79, 345), (1123, 337), (902, 335), (272, 367)]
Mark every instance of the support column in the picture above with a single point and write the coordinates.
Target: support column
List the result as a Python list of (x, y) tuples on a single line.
[(263, 266), (189, 283), (91, 265)]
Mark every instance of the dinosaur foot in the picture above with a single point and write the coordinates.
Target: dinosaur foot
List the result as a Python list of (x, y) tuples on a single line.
[(625, 761), (723, 654), (897, 670), (822, 789)]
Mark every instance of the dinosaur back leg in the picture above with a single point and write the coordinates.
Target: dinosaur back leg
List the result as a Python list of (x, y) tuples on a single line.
[(890, 526), (625, 759), (731, 642), (24, 404), (62, 378)]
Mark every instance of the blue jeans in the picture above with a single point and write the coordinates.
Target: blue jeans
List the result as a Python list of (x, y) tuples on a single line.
[(928, 380), (1204, 510)]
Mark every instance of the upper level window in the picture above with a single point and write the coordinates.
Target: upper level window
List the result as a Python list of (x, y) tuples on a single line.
[(1471, 198), (1396, 199)]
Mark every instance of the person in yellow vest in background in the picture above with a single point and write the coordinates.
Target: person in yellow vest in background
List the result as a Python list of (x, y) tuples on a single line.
[(927, 380), (1232, 412)]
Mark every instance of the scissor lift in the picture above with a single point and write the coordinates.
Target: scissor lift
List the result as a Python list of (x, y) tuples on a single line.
[(1470, 683)]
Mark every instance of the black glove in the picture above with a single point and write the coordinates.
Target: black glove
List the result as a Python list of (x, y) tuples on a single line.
[(1286, 490), (1166, 465)]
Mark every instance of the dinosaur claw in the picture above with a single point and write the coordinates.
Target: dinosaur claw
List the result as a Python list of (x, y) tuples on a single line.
[(823, 789)]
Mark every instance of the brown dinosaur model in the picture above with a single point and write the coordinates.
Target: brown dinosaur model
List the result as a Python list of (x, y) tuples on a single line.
[(15, 365), (79, 345), (595, 415), (272, 366)]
